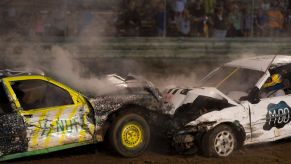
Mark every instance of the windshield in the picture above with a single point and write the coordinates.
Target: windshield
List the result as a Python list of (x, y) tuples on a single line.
[(231, 80)]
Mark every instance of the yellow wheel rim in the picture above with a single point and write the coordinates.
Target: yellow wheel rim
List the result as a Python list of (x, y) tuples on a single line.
[(131, 135)]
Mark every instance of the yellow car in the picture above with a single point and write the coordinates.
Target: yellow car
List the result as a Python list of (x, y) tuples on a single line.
[(40, 115)]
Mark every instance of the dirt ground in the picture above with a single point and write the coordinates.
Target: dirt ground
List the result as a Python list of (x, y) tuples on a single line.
[(160, 152)]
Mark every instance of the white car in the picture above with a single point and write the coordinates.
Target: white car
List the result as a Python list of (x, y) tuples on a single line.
[(230, 110)]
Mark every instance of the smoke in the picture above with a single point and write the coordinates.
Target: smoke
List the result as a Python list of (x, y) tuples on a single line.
[(63, 66), (187, 73), (34, 52), (69, 70), (66, 66)]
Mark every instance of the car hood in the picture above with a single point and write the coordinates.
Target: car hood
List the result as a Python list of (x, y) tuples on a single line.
[(177, 97), (132, 84), (129, 85)]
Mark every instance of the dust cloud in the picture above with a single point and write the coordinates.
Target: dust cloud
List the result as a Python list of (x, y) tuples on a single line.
[(64, 65), (61, 64)]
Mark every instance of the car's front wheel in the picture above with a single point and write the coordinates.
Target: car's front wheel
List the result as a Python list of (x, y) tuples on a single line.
[(219, 142), (129, 135)]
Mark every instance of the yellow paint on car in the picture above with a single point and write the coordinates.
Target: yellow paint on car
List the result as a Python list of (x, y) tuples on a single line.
[(53, 126), (84, 130), (43, 135), (70, 117), (36, 133), (7, 81)]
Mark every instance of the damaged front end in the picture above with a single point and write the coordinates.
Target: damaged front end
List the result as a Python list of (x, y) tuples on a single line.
[(132, 93), (188, 139)]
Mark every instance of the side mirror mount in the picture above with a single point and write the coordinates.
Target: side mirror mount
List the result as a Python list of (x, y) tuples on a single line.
[(253, 96)]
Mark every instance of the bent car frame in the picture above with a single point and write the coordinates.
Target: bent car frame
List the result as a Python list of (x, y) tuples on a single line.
[(40, 115), (233, 108)]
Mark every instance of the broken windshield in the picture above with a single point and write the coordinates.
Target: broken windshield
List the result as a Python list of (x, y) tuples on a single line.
[(231, 80)]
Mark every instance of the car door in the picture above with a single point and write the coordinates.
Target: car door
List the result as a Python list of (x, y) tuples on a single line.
[(54, 114), (270, 118)]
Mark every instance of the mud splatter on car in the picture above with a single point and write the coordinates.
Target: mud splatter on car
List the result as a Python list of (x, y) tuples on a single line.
[(40, 115)]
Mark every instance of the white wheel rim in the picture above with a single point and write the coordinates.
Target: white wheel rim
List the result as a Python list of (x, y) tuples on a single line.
[(224, 143)]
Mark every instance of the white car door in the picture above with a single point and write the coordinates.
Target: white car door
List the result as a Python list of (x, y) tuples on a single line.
[(270, 119)]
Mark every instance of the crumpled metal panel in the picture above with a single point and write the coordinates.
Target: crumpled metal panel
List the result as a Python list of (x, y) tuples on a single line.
[(104, 105)]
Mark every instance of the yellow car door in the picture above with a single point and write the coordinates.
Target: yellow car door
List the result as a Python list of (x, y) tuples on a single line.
[(54, 114)]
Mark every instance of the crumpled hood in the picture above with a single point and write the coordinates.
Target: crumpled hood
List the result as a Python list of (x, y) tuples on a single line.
[(131, 84), (230, 114), (177, 97), (129, 90)]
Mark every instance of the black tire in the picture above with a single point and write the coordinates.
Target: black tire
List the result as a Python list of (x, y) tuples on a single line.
[(224, 138), (115, 134)]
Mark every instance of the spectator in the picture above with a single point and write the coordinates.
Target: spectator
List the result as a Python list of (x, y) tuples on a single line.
[(219, 23), (261, 23), (265, 5), (183, 23), (40, 24), (288, 17), (24, 24), (228, 6), (199, 19), (86, 19), (275, 3), (209, 6), (72, 28), (275, 21), (60, 23), (160, 19), (282, 4), (219, 3), (247, 21), (131, 19), (180, 6), (235, 19)]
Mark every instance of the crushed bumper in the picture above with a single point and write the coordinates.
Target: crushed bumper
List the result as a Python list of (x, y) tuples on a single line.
[(184, 144), (188, 139), (185, 141)]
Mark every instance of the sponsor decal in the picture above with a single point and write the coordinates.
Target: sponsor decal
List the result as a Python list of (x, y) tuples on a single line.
[(67, 126), (278, 115)]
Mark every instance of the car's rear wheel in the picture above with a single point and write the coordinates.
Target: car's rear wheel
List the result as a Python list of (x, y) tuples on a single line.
[(129, 135), (219, 142)]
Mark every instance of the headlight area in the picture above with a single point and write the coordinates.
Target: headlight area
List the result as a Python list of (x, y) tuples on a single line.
[(187, 140), (183, 141)]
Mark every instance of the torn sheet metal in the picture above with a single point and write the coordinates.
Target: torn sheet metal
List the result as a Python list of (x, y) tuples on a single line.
[(105, 105)]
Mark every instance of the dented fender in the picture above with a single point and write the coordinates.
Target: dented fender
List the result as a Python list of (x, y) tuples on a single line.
[(104, 106), (231, 114), (189, 138)]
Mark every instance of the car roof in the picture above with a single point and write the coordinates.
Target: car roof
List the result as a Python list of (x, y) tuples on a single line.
[(261, 63), (18, 72)]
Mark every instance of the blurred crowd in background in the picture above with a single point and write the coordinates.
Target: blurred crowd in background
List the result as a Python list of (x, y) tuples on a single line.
[(146, 18)]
